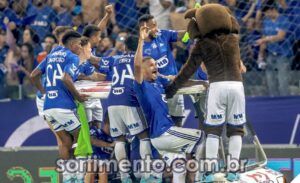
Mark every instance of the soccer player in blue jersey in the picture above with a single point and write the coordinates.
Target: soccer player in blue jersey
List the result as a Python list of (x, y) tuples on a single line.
[(59, 106), (39, 79), (124, 110), (164, 135), (93, 33), (158, 46)]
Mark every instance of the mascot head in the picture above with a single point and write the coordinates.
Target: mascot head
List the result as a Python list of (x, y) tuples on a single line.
[(209, 19)]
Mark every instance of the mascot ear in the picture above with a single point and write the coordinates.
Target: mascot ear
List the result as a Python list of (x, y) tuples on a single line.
[(190, 13), (193, 30), (235, 26)]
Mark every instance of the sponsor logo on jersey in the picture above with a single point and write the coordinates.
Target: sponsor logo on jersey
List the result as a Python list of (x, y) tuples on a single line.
[(52, 94), (118, 90), (105, 62), (162, 62)]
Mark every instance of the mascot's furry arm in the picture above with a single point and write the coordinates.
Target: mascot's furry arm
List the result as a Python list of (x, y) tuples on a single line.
[(188, 69)]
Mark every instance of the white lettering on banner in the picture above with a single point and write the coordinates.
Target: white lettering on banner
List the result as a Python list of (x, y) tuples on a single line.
[(162, 62)]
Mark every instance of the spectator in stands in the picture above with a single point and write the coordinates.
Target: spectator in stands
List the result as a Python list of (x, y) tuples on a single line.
[(277, 44), (25, 12), (119, 47), (48, 44), (124, 16), (29, 36), (23, 68), (5, 11), (161, 9), (64, 15), (105, 47), (3, 70), (77, 21), (45, 19)]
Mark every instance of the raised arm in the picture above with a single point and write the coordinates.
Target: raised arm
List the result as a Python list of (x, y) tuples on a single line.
[(138, 58), (188, 69), (103, 23)]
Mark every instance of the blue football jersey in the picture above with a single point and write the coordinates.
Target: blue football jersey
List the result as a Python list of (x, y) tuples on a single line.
[(59, 62), (106, 65), (86, 68), (101, 152), (160, 50), (122, 91), (151, 96)]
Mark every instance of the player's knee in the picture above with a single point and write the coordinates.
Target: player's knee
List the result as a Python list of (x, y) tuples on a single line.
[(235, 130), (215, 130)]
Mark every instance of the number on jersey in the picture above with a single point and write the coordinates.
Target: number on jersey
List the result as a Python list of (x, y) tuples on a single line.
[(125, 74), (57, 74)]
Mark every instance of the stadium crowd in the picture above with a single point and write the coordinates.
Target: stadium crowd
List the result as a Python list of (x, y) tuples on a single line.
[(26, 36)]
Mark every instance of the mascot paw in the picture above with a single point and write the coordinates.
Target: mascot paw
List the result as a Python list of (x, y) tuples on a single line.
[(170, 91)]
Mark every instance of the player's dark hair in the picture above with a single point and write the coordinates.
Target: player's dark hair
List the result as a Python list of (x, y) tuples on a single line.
[(131, 42), (69, 36), (51, 36), (84, 41), (59, 30), (145, 18), (90, 30)]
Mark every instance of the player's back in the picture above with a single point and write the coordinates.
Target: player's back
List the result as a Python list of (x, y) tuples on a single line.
[(122, 92), (57, 95), (221, 56)]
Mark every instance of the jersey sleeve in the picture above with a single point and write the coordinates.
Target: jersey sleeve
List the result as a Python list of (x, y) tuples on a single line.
[(88, 69), (164, 81), (170, 35), (72, 67)]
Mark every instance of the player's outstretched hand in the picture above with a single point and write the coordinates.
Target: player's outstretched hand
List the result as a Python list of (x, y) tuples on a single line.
[(170, 91), (82, 97), (109, 9)]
